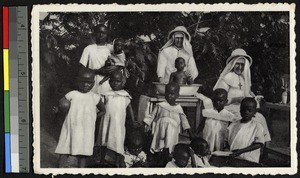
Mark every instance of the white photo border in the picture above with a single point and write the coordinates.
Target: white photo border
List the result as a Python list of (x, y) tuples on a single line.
[(35, 35)]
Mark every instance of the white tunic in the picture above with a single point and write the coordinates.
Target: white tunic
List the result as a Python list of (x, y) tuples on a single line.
[(94, 57), (242, 135), (215, 128), (78, 130), (231, 83), (166, 62), (112, 126)]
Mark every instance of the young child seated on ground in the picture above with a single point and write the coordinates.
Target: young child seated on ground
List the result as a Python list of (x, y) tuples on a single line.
[(78, 130), (117, 61), (180, 76), (181, 156), (246, 136), (201, 151), (117, 103), (166, 121), (134, 154), (217, 121)]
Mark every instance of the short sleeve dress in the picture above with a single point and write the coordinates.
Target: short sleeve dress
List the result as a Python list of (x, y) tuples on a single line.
[(78, 130), (112, 127), (166, 121)]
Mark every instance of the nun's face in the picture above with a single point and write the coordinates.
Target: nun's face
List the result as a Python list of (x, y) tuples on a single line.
[(239, 67), (178, 41)]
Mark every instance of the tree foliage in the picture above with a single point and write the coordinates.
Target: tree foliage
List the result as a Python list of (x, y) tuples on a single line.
[(264, 35)]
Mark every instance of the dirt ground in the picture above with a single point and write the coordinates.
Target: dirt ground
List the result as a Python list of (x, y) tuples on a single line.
[(51, 125)]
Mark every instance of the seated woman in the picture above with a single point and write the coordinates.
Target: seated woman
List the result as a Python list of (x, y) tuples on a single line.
[(236, 80), (177, 46)]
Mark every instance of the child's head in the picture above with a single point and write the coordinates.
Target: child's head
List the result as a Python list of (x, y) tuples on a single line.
[(180, 64), (135, 143), (257, 89), (181, 154), (219, 99), (118, 45), (248, 108), (101, 33), (117, 80), (172, 92), (200, 147), (86, 80)]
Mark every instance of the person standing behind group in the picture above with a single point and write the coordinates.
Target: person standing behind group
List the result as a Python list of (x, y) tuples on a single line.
[(177, 46), (95, 55)]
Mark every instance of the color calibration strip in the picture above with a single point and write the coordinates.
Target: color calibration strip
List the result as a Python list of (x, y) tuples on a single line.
[(16, 106), (6, 88)]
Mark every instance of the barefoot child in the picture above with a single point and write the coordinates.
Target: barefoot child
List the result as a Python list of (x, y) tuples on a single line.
[(166, 120), (116, 62), (78, 130), (201, 151), (117, 105), (180, 76), (181, 156), (246, 136)]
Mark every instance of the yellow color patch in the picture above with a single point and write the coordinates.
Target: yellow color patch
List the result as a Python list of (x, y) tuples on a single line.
[(6, 69)]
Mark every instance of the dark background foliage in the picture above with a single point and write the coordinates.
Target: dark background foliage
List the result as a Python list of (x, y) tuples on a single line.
[(264, 35)]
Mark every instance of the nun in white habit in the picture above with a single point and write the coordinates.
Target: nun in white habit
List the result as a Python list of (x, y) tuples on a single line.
[(236, 80), (177, 46)]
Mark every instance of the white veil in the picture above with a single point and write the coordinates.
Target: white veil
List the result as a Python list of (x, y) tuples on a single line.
[(246, 74)]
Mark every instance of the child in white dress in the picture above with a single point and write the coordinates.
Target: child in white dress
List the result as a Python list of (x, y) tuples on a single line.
[(217, 120), (117, 104), (166, 120), (78, 130), (246, 136)]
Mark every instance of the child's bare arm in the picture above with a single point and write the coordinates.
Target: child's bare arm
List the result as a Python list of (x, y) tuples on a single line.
[(130, 112), (104, 80), (101, 108), (253, 146), (190, 80), (171, 78), (63, 106)]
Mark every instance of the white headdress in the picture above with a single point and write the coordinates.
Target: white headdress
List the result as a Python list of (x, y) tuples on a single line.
[(186, 40), (238, 55)]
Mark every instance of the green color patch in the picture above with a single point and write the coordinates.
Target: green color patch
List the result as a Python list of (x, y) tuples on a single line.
[(6, 112)]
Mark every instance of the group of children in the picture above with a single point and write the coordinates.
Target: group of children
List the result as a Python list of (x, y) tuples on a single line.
[(122, 145)]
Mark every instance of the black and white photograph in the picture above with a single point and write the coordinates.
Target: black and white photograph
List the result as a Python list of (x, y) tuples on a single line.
[(123, 89)]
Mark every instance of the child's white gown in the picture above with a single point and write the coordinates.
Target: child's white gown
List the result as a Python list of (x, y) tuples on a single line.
[(78, 130), (166, 123), (242, 135), (215, 129), (112, 126)]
